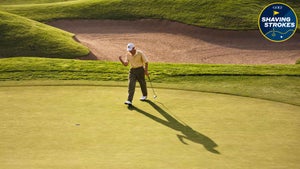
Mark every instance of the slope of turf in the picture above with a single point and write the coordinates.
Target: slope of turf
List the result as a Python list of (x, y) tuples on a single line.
[(90, 127), (272, 82), (15, 2), (24, 37), (236, 15)]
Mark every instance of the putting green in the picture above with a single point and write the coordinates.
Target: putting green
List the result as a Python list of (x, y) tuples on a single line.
[(80, 127)]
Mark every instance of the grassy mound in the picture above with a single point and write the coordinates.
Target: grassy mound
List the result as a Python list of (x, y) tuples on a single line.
[(24, 37), (236, 15)]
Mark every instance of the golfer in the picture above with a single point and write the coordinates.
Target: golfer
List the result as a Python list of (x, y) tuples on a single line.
[(138, 69)]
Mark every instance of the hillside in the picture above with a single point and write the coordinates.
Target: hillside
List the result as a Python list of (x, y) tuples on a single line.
[(233, 15), (24, 37)]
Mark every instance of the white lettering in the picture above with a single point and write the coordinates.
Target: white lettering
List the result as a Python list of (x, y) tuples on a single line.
[(276, 19)]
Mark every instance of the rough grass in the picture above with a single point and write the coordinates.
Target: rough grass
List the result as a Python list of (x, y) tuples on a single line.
[(49, 68), (14, 2), (272, 82), (24, 37), (236, 15)]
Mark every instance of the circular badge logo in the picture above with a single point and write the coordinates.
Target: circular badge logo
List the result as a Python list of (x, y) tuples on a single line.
[(277, 22)]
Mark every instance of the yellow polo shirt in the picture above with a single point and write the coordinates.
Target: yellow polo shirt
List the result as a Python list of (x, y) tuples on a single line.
[(137, 60)]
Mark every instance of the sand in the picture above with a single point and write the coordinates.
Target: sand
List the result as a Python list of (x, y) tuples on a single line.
[(167, 41)]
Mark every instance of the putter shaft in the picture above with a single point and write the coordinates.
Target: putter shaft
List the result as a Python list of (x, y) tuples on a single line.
[(152, 87)]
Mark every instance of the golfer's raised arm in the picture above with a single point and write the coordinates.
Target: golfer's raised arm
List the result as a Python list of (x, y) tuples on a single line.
[(123, 62)]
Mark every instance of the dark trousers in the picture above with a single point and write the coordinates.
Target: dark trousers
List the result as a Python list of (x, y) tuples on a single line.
[(136, 74)]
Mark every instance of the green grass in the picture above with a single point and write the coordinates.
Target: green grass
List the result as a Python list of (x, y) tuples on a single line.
[(14, 2), (54, 115), (273, 82), (236, 15), (75, 127), (24, 37)]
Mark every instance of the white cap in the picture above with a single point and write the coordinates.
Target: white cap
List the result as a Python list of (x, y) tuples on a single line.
[(130, 46)]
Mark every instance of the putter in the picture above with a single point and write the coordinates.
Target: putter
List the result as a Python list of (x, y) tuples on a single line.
[(155, 96)]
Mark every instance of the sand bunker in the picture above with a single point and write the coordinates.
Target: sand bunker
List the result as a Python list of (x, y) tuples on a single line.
[(166, 41)]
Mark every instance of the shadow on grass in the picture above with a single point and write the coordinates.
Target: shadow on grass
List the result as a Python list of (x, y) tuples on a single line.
[(188, 133)]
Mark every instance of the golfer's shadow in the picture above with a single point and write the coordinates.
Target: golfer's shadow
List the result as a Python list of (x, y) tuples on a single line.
[(187, 132)]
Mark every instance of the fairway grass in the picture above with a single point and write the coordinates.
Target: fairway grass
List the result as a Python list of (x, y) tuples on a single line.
[(89, 127)]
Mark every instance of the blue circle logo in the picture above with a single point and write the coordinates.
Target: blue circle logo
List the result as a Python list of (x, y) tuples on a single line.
[(277, 22)]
